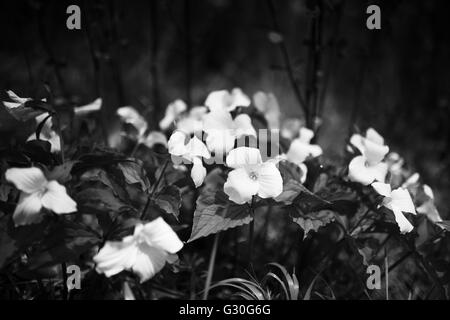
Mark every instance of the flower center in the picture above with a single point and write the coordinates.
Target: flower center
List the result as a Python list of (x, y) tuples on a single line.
[(253, 175)]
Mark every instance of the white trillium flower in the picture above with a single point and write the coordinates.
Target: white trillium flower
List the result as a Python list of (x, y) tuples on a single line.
[(144, 253), (173, 110), (224, 100), (37, 192), (369, 167), (301, 148), (94, 106), (193, 151), (132, 116), (399, 201), (268, 105), (47, 133), (251, 176), (223, 130)]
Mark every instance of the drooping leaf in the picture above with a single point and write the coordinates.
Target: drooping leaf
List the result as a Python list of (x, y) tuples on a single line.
[(169, 200), (134, 173), (215, 213)]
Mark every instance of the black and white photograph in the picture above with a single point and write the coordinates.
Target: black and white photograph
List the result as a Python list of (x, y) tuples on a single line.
[(222, 155)]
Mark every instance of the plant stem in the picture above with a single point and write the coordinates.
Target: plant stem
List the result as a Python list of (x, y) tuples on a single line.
[(386, 272), (135, 149), (212, 260), (65, 292), (251, 231)]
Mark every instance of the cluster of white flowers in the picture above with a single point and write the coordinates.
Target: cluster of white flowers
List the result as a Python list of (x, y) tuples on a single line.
[(369, 168)]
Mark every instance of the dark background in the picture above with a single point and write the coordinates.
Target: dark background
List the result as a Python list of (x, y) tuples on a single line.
[(148, 53)]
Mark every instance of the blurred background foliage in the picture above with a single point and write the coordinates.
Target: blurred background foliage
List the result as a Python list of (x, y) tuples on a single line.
[(149, 53)]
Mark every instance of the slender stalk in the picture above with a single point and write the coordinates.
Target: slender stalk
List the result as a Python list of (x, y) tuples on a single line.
[(65, 291), (251, 231), (135, 149), (212, 261)]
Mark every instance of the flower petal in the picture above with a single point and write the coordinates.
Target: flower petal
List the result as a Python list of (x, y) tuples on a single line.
[(57, 199), (243, 126), (28, 209), (357, 141), (374, 136), (29, 180), (402, 200), (358, 171), (155, 137), (299, 151), (243, 156), (403, 223), (176, 144), (149, 261), (160, 235), (270, 181), (116, 256), (373, 152), (239, 187), (96, 105), (173, 110), (217, 100), (219, 119), (198, 172), (383, 189), (196, 148), (306, 135), (238, 99), (220, 141)]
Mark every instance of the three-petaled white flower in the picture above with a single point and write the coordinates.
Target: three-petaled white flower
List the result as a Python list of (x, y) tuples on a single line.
[(193, 151), (131, 116), (368, 167), (225, 100), (302, 149), (144, 253), (251, 176), (222, 130), (399, 201), (37, 192)]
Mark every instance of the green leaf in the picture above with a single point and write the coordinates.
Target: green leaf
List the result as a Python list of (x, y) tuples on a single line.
[(215, 213), (311, 221)]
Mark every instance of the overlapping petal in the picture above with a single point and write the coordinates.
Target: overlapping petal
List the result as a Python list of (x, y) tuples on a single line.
[(29, 180)]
